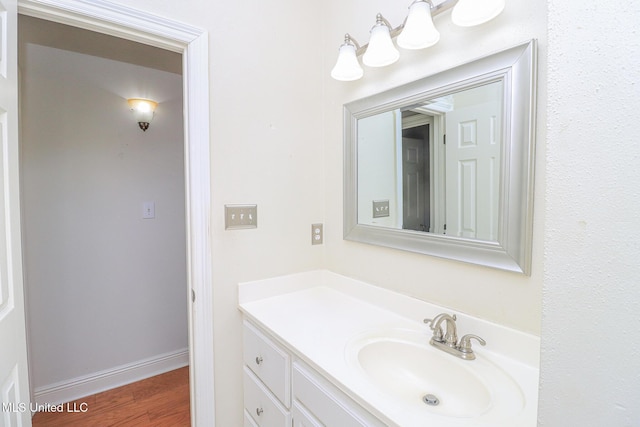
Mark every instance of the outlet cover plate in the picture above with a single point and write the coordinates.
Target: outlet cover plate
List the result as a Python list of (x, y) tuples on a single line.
[(240, 216), (317, 234)]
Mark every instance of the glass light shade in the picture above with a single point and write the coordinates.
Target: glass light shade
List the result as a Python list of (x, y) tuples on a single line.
[(381, 50), (347, 67), (467, 13), (143, 111), (419, 31)]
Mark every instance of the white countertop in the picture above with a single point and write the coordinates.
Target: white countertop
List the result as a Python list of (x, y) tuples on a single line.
[(315, 315)]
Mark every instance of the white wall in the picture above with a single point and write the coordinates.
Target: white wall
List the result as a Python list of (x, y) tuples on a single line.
[(507, 298), (105, 287), (591, 322), (267, 148), (377, 174)]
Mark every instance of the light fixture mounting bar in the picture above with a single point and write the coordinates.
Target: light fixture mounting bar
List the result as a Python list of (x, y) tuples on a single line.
[(393, 32)]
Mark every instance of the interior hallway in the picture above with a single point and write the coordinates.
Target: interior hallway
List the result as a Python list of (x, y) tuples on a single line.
[(160, 401)]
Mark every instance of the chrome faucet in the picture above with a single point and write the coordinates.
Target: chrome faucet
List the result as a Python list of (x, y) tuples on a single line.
[(448, 341), (451, 336)]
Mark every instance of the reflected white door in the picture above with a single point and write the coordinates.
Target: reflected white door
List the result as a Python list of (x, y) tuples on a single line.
[(14, 385), (473, 157)]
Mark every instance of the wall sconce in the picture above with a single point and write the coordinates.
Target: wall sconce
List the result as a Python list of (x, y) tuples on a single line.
[(143, 111), (416, 32)]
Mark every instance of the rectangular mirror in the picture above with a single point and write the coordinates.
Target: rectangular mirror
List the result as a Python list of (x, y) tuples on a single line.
[(444, 165)]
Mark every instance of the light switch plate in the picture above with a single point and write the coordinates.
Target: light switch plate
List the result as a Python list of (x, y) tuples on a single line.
[(148, 210), (380, 208), (240, 216)]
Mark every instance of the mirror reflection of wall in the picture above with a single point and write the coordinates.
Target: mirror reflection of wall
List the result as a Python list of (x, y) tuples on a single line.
[(377, 169), (435, 166)]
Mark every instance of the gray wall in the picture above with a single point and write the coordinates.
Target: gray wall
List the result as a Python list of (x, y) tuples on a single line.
[(105, 288)]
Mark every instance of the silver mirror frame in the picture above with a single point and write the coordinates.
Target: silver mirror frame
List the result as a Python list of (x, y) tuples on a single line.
[(516, 67)]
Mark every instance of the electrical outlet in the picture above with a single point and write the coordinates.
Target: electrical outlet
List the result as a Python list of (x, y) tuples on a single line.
[(240, 216), (317, 234)]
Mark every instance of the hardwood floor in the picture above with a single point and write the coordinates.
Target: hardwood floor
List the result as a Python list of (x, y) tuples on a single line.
[(160, 401)]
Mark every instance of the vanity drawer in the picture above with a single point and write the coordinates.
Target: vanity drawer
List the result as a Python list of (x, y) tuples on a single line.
[(268, 361), (259, 403), (326, 402)]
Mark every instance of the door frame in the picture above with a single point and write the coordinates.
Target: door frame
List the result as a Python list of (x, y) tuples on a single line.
[(136, 25)]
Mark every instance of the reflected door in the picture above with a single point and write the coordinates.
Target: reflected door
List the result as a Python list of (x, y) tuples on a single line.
[(473, 157)]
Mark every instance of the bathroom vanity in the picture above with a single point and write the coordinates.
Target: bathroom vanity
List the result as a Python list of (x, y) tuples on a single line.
[(273, 375), (321, 349)]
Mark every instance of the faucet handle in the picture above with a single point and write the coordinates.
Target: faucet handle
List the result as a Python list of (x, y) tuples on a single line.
[(465, 343), (437, 332)]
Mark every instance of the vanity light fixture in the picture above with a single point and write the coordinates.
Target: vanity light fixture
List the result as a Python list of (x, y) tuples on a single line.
[(381, 51), (347, 67), (468, 13), (143, 110), (417, 32)]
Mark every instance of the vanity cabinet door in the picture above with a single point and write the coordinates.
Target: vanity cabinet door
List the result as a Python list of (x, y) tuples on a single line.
[(302, 417), (330, 406), (264, 408), (268, 361), (248, 421)]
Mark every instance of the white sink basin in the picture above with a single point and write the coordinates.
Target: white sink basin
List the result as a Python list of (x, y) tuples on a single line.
[(404, 367)]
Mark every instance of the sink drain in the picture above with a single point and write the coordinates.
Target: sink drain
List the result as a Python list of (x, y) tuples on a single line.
[(430, 399)]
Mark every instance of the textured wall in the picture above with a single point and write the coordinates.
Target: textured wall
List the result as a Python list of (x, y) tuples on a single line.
[(590, 373)]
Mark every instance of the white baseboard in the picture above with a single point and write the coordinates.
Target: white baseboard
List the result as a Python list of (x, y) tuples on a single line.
[(75, 388)]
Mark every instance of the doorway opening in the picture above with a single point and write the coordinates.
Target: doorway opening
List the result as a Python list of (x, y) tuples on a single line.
[(132, 24), (105, 281), (415, 178)]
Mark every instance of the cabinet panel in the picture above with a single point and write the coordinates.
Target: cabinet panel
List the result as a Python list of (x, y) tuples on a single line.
[(263, 407), (268, 361), (302, 417), (326, 402), (248, 421)]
